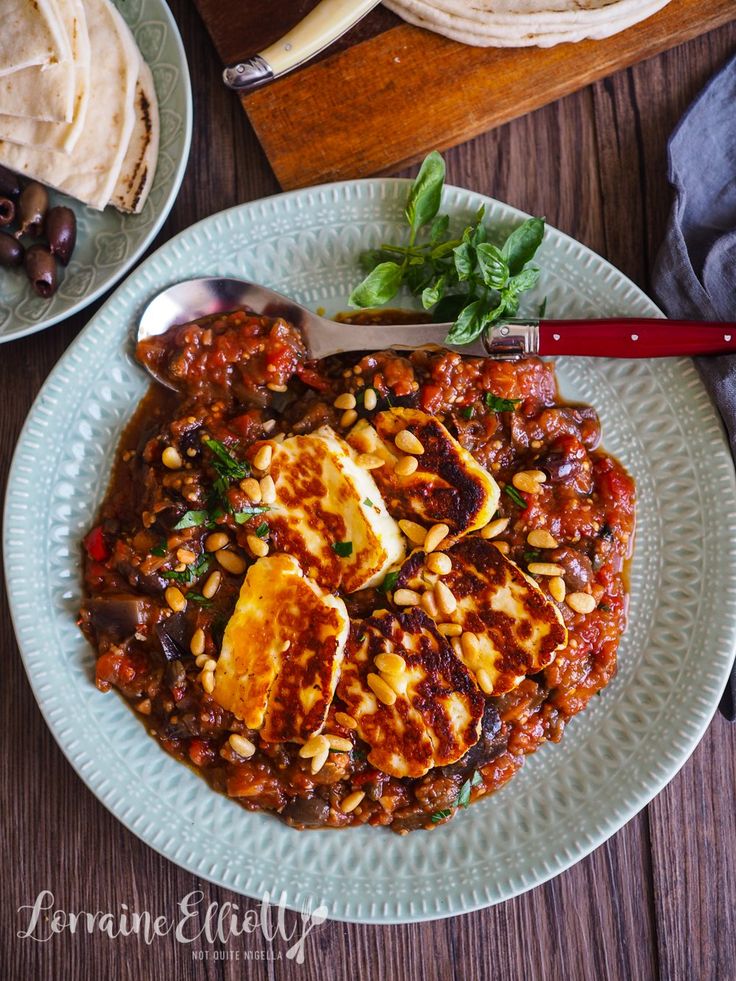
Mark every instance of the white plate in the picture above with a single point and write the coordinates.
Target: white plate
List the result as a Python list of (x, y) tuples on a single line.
[(568, 798), (108, 242)]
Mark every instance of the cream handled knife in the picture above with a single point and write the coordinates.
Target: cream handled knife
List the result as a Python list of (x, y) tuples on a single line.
[(323, 25)]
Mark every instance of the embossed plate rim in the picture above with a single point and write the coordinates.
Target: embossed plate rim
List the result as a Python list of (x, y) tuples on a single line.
[(305, 242), (182, 88)]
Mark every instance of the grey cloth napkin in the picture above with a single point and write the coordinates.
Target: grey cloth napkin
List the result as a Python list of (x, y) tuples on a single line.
[(695, 272)]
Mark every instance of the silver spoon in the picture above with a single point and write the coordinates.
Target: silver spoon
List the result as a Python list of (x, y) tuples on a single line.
[(612, 338)]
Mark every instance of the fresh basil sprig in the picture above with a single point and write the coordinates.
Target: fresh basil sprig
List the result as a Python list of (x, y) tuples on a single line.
[(466, 280)]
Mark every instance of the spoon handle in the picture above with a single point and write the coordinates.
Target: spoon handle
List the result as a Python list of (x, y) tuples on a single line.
[(635, 338)]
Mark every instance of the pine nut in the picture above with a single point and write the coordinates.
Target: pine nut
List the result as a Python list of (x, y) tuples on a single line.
[(171, 458), (314, 745), (435, 536), (345, 401), (208, 681), (406, 466), (262, 459), (319, 760), (258, 547), (446, 601), (556, 586), (230, 561), (484, 681), (408, 443), (201, 659), (216, 541), (242, 746), (339, 743), (407, 597), (268, 490), (429, 603), (185, 555), (524, 481), (390, 663), (273, 387), (345, 720), (175, 599), (381, 689), (470, 645), (545, 569), (370, 399), (580, 602), (503, 547), (210, 664), (396, 682), (414, 532), (369, 462), (252, 488), (455, 644), (450, 629), (212, 585), (539, 475), (439, 562), (541, 538), (349, 803), (348, 418), (196, 644), (494, 528)]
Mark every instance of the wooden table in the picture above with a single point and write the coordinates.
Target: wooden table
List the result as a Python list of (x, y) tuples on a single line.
[(659, 898)]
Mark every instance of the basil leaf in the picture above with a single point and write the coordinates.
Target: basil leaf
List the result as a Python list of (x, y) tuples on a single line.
[(479, 234), (370, 259), (464, 257), (426, 192), (492, 266), (463, 797), (468, 325), (527, 279), (343, 549), (433, 294), (378, 287), (522, 243), (190, 520), (449, 307), (419, 277), (440, 227)]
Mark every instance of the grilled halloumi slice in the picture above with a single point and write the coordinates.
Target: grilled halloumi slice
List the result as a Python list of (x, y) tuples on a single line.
[(281, 651), (436, 716), (519, 630), (330, 514), (448, 486)]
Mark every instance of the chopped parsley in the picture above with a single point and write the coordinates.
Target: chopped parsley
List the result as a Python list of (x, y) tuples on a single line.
[(605, 607), (468, 412), (191, 573), (343, 549), (262, 529), (389, 582), (515, 496), (161, 549), (199, 598), (191, 519), (368, 502), (441, 815), (227, 468), (532, 556), (247, 513), (497, 404), (462, 799)]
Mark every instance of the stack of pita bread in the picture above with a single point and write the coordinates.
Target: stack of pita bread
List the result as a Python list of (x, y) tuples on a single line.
[(521, 23), (78, 108)]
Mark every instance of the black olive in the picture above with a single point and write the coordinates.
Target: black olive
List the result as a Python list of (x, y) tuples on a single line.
[(11, 251), (7, 211), (9, 183), (61, 232), (32, 205), (41, 270)]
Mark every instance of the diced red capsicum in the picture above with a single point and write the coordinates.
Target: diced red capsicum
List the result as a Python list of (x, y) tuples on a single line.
[(96, 546)]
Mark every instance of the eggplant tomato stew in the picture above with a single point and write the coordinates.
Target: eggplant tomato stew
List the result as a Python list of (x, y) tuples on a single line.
[(356, 590)]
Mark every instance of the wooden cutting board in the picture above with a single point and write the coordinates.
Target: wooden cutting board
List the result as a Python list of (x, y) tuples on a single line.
[(387, 93)]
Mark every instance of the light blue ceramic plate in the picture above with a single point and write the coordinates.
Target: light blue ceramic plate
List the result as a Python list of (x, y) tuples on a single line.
[(108, 242), (568, 798)]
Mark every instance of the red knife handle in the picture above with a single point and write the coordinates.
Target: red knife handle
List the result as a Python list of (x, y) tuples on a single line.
[(635, 338)]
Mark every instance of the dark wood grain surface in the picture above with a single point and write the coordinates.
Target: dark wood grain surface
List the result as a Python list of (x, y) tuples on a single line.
[(659, 898)]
